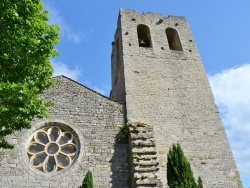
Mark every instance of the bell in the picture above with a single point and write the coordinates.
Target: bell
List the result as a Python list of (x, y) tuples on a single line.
[(142, 43)]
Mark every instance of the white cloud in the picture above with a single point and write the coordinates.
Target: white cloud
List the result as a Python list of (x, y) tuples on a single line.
[(66, 30), (105, 90), (231, 90), (62, 69)]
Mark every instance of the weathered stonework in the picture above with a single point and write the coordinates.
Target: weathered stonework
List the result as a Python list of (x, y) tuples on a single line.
[(164, 85), (95, 119), (143, 159), (158, 78)]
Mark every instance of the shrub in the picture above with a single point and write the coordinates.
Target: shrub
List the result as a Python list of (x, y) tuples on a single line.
[(179, 172), (88, 181)]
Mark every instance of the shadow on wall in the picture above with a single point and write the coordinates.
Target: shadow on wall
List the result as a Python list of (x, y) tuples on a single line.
[(120, 164)]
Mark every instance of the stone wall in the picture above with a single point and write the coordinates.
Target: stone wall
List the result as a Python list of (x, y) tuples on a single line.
[(95, 120), (168, 89), (117, 67)]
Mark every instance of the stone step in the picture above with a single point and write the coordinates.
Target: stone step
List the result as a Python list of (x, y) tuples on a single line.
[(147, 181), (139, 129), (143, 175), (144, 157), (145, 162), (138, 168), (138, 142), (141, 136), (144, 150), (139, 124)]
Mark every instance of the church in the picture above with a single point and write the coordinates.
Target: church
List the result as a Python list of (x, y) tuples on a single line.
[(160, 93)]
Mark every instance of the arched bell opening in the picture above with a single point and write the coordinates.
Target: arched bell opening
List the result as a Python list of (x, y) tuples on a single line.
[(173, 39), (144, 38)]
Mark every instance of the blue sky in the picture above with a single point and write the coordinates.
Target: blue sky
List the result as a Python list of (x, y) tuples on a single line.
[(221, 31)]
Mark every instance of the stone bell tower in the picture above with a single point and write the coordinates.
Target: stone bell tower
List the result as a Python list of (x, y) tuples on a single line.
[(158, 73)]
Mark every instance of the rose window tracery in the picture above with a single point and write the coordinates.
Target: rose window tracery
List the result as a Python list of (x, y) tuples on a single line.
[(52, 149)]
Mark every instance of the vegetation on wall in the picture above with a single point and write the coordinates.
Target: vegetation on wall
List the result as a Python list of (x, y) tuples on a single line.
[(88, 181), (179, 172), (26, 45), (122, 137)]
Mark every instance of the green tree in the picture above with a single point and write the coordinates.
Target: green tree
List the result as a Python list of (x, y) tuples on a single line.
[(179, 172), (88, 181), (26, 45)]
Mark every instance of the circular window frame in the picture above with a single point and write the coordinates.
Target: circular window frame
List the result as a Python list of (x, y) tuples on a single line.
[(35, 127)]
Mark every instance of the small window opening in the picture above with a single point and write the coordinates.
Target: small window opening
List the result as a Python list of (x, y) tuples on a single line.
[(173, 39), (144, 38)]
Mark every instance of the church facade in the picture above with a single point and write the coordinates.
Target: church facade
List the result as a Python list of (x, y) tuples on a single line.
[(160, 93)]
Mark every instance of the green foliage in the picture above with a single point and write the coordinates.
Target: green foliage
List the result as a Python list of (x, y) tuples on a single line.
[(88, 181), (179, 172), (26, 46), (124, 129), (123, 137)]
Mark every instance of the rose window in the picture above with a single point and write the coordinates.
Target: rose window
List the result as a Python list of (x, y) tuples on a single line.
[(52, 149)]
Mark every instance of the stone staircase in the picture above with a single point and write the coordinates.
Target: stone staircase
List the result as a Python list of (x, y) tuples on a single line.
[(144, 161)]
